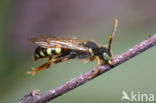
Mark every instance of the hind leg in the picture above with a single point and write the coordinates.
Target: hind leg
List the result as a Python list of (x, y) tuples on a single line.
[(42, 67)]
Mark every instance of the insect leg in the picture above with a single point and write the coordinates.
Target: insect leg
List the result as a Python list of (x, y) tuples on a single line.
[(65, 58), (42, 67), (62, 59), (112, 35), (98, 65)]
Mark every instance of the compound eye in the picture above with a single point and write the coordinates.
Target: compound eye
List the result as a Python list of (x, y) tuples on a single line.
[(106, 56)]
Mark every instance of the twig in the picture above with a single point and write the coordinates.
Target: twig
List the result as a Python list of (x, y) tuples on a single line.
[(36, 97)]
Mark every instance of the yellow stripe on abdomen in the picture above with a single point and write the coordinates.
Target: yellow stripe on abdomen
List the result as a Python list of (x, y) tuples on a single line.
[(54, 51), (49, 51), (58, 50)]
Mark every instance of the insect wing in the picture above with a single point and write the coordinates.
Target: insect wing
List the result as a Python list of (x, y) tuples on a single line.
[(51, 41)]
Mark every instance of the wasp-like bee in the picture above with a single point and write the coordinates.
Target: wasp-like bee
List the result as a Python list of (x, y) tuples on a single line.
[(61, 49)]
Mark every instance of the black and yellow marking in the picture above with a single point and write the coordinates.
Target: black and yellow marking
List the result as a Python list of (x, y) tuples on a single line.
[(52, 53), (91, 51), (49, 51), (42, 52), (63, 50), (58, 50)]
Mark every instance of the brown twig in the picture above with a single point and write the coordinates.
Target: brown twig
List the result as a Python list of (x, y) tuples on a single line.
[(36, 97)]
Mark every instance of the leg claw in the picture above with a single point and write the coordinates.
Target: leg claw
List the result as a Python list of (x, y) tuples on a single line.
[(32, 72)]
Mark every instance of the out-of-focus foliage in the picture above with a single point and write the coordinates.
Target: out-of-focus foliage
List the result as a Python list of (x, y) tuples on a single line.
[(89, 19)]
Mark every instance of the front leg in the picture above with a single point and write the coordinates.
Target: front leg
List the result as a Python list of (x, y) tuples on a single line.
[(98, 66)]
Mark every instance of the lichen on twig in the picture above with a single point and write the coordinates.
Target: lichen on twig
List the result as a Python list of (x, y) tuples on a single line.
[(36, 97)]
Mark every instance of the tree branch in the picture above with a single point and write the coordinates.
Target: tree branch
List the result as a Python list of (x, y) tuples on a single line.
[(36, 97)]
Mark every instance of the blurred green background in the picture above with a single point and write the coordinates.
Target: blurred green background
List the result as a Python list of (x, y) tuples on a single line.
[(85, 19)]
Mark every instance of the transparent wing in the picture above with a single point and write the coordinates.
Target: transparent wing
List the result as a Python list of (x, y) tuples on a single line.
[(51, 41)]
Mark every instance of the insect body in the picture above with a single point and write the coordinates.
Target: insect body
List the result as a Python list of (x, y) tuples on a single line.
[(61, 49)]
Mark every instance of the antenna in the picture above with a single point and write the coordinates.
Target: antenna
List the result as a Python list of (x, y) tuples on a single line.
[(112, 35)]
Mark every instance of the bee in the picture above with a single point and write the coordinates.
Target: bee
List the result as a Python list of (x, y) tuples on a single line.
[(61, 49)]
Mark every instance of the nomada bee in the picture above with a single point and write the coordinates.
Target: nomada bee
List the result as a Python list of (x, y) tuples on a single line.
[(61, 49)]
